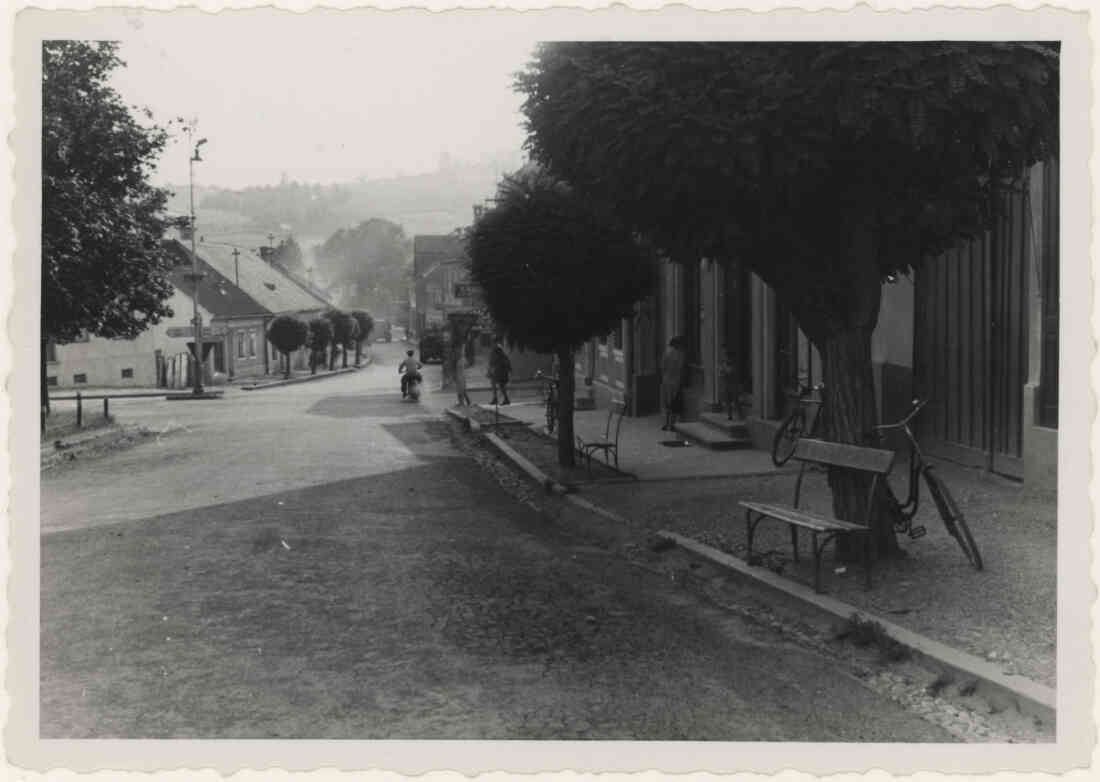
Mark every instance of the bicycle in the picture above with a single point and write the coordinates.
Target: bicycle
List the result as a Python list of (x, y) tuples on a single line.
[(550, 392), (953, 518), (798, 423)]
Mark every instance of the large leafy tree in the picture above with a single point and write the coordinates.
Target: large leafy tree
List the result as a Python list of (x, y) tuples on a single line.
[(104, 266), (826, 167), (372, 260), (555, 271), (289, 254)]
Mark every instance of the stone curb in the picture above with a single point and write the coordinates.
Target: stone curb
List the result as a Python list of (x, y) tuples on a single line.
[(533, 472), (544, 480), (306, 379), (1026, 696)]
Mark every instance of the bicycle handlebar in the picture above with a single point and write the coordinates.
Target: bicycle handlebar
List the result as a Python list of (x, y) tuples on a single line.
[(918, 405)]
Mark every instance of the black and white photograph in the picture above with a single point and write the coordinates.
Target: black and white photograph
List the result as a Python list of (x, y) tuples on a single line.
[(587, 390)]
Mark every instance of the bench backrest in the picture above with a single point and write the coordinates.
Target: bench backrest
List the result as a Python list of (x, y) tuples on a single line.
[(614, 420), (853, 457)]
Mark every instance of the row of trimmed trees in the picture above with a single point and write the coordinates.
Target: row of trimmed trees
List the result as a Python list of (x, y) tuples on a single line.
[(333, 330), (825, 168)]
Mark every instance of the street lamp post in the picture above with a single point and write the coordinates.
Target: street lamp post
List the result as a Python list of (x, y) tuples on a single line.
[(195, 276)]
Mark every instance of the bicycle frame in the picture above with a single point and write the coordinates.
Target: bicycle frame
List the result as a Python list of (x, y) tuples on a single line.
[(908, 509)]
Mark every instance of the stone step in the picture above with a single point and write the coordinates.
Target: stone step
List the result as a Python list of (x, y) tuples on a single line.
[(709, 437), (738, 428)]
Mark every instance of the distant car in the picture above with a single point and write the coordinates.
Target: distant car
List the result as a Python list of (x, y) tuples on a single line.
[(383, 331), (431, 346)]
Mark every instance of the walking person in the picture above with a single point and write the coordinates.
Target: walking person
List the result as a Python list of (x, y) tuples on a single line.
[(499, 370), (672, 381), (460, 381)]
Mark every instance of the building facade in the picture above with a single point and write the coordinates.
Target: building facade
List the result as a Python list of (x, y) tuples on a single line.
[(974, 331)]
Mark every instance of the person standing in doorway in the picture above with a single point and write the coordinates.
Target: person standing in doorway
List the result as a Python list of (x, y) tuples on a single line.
[(500, 368), (672, 381)]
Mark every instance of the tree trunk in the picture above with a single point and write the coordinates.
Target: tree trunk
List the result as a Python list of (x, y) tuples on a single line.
[(358, 350), (286, 359), (850, 417), (344, 357), (332, 356), (566, 391), (313, 361)]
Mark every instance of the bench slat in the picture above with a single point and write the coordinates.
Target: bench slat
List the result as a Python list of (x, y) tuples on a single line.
[(855, 457), (803, 518)]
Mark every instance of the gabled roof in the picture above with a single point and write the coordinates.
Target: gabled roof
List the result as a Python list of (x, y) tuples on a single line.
[(217, 293), (259, 279)]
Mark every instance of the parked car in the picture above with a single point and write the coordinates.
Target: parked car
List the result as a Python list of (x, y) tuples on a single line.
[(431, 346), (383, 331)]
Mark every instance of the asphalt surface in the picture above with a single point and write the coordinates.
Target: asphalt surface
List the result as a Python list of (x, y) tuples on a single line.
[(322, 561)]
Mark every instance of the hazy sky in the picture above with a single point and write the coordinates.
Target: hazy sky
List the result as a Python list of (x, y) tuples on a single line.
[(325, 97)]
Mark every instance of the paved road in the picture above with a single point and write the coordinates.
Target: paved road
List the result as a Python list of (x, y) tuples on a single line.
[(248, 444), (346, 572)]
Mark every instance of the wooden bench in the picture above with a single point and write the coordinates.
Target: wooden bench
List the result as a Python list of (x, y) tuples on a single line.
[(876, 462), (609, 443)]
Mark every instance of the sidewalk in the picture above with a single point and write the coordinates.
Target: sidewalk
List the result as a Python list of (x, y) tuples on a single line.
[(1005, 615)]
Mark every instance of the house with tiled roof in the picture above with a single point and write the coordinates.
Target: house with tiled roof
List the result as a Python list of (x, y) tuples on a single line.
[(269, 290), (238, 295)]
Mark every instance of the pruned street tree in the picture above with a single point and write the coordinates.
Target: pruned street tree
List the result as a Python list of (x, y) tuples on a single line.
[(344, 331), (104, 265), (365, 325), (320, 335), (287, 334), (555, 270), (825, 167)]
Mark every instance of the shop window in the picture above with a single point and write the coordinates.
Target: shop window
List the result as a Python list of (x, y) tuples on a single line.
[(51, 380), (81, 378), (128, 372), (240, 344), (252, 344)]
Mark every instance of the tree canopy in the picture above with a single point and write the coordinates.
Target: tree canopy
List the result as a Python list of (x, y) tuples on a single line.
[(287, 334), (554, 270), (104, 266), (786, 155), (289, 254), (373, 258)]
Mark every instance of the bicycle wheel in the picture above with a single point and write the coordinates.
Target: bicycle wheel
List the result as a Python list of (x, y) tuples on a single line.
[(787, 437), (952, 517)]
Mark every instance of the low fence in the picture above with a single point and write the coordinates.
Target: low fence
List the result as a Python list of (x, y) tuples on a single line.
[(82, 398)]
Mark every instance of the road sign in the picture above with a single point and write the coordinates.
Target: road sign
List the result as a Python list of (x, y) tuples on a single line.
[(217, 330)]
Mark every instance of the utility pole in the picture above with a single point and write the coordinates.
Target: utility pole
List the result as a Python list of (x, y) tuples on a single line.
[(195, 276), (236, 268)]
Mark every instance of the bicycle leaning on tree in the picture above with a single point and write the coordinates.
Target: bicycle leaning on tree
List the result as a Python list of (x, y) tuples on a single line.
[(803, 421), (550, 397), (953, 518)]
